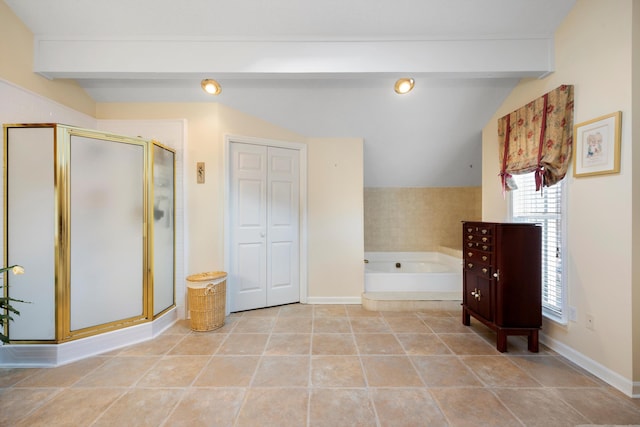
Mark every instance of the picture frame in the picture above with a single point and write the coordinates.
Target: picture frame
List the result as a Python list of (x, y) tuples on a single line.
[(597, 146)]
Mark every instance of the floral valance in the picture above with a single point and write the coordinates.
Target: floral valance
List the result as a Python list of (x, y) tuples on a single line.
[(538, 137)]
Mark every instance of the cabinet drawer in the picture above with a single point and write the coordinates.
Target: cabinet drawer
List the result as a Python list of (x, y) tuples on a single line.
[(479, 245), (478, 268), (481, 229), (479, 239), (477, 256)]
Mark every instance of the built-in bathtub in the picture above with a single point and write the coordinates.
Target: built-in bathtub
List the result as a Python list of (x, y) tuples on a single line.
[(411, 280)]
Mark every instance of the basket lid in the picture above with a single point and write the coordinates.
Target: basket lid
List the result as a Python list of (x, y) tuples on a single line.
[(205, 277)]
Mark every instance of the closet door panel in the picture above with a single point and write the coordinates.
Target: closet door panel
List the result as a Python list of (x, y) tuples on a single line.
[(283, 257), (248, 227)]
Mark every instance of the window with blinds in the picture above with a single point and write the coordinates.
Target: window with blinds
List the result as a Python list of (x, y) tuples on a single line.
[(547, 209)]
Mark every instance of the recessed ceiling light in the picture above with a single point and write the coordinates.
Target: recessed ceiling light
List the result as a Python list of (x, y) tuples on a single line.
[(211, 86), (404, 85)]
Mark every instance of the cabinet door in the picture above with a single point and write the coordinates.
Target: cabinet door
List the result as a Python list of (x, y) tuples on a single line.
[(518, 297), (477, 295)]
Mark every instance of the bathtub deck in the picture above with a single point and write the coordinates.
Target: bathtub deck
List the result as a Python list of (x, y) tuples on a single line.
[(411, 301)]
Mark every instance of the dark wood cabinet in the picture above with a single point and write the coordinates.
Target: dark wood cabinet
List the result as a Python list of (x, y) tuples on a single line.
[(502, 279)]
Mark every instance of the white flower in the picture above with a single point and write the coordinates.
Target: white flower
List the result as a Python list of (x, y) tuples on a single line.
[(17, 270)]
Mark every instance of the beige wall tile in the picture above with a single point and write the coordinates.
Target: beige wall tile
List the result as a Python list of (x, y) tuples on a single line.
[(418, 219)]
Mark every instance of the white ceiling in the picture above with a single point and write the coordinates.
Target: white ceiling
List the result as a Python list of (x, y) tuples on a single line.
[(320, 68)]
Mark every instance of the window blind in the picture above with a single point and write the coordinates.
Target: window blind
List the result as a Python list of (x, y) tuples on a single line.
[(544, 208)]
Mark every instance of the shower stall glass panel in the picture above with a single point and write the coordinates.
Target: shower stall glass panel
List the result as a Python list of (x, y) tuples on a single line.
[(163, 160), (30, 229), (106, 200), (90, 216)]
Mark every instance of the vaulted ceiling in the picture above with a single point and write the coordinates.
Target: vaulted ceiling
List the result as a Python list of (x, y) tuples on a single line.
[(320, 68)]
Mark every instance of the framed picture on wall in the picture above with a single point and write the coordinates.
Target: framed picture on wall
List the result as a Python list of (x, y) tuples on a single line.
[(597, 146)]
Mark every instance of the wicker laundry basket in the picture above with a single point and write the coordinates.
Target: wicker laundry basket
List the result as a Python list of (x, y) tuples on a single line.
[(207, 293)]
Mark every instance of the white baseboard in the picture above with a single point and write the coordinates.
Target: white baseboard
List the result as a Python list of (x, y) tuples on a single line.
[(50, 355), (334, 300), (625, 385)]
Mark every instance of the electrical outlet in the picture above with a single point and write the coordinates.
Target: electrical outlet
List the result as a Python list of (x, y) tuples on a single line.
[(590, 322), (573, 314)]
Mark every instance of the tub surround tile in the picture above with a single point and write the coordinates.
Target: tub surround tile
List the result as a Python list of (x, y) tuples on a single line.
[(418, 218)]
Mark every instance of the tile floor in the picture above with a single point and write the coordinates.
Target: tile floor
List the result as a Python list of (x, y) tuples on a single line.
[(304, 365)]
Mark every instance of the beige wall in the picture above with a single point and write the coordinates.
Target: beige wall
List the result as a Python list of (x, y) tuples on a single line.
[(336, 224), (635, 136), (593, 52), (16, 66), (335, 171), (418, 219)]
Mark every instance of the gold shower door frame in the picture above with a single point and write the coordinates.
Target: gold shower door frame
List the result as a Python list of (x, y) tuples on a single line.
[(62, 233)]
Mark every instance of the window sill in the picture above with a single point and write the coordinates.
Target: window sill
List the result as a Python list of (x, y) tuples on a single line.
[(560, 320)]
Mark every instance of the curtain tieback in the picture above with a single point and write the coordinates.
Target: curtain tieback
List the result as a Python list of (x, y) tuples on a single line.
[(543, 130), (504, 175)]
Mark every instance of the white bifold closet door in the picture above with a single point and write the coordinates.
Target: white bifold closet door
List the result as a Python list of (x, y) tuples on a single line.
[(265, 232)]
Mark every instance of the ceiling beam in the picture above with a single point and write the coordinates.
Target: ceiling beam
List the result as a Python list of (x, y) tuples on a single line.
[(143, 58)]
